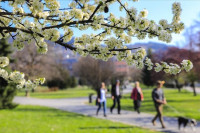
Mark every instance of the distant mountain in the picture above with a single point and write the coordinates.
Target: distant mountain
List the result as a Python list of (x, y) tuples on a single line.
[(155, 46)]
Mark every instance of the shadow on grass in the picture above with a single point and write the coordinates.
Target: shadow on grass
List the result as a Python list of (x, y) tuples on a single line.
[(64, 116), (182, 101), (35, 110), (168, 131), (56, 113), (111, 127)]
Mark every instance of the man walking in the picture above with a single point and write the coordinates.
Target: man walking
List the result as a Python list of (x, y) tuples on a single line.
[(159, 101), (115, 93)]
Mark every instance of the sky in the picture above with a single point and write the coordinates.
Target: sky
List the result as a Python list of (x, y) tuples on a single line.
[(157, 9)]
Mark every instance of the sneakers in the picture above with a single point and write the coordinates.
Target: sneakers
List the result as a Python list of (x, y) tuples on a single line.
[(110, 110), (163, 126), (153, 122)]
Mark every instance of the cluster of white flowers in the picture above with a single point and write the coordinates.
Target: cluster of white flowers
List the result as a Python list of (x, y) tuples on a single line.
[(148, 63), (187, 65), (4, 61), (3, 73), (173, 68), (68, 35), (17, 77), (44, 20), (77, 13), (52, 4), (158, 67), (29, 85), (143, 13)]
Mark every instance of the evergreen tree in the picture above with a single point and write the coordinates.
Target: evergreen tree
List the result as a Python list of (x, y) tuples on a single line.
[(72, 81), (7, 90), (5, 48), (147, 75)]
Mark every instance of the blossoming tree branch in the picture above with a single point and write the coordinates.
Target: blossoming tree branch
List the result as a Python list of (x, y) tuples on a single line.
[(43, 20)]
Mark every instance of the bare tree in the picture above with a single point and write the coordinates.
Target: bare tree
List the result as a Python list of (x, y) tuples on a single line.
[(135, 74), (94, 71), (34, 64)]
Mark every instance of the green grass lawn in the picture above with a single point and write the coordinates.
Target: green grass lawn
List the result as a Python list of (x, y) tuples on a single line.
[(42, 92), (37, 119), (184, 103)]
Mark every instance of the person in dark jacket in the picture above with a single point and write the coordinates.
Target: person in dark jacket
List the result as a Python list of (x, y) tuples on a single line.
[(102, 99), (115, 93), (159, 101), (137, 96)]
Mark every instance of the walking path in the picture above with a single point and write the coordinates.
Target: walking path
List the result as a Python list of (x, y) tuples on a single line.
[(191, 90), (78, 105)]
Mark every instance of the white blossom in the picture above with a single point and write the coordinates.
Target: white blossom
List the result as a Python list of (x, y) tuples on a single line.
[(187, 65), (16, 77), (3, 73), (4, 61), (158, 67), (148, 63)]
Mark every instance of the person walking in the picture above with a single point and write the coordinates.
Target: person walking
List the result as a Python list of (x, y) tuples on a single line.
[(159, 101), (102, 99), (137, 97), (115, 93)]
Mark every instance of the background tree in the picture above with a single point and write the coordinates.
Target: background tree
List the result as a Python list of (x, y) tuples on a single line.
[(7, 90), (192, 77), (50, 66), (135, 74), (147, 75), (175, 55), (192, 36), (94, 71)]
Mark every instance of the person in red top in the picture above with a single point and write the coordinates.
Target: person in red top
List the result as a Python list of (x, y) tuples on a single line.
[(137, 96)]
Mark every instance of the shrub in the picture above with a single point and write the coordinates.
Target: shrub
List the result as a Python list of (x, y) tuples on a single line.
[(7, 93)]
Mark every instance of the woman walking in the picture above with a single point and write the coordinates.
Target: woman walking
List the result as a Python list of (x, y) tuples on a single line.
[(137, 96), (102, 98)]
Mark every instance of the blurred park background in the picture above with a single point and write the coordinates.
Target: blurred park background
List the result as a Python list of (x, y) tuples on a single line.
[(69, 75)]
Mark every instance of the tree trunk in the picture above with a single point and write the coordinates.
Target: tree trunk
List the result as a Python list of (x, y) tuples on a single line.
[(177, 85), (194, 88), (27, 93)]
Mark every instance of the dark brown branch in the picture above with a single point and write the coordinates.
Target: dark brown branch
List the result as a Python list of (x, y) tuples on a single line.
[(29, 15), (97, 8), (126, 10), (79, 3), (68, 24)]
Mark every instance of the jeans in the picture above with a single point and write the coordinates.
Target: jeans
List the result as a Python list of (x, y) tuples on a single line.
[(104, 107)]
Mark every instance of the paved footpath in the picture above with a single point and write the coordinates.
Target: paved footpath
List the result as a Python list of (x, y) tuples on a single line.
[(191, 90), (78, 105)]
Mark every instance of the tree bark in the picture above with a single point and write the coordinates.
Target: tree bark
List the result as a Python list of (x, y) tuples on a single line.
[(177, 85), (27, 93), (194, 88)]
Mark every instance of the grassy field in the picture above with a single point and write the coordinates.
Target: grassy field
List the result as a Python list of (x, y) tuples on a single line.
[(37, 119), (42, 92), (179, 104)]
